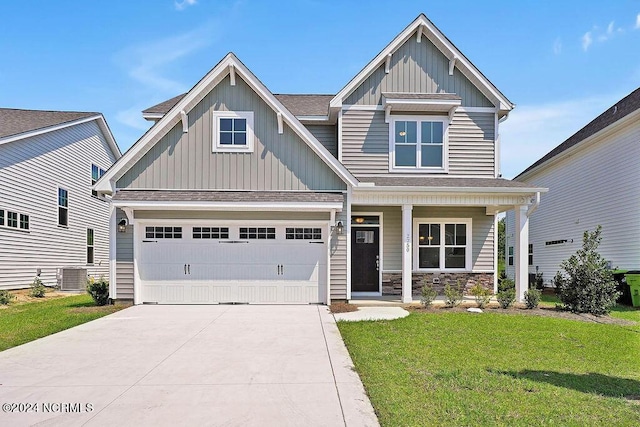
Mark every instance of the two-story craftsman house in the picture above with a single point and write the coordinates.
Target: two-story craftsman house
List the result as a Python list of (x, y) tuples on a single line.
[(239, 195)]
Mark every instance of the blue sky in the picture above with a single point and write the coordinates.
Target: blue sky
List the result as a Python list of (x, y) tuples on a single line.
[(561, 63)]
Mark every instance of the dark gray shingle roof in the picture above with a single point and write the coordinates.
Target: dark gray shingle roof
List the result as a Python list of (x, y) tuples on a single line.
[(425, 181), (622, 108), (15, 121), (413, 95), (299, 105), (226, 196)]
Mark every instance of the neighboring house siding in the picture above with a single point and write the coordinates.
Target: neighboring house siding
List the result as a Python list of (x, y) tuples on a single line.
[(31, 170), (597, 185), (186, 161), (124, 261), (472, 144), (327, 135), (365, 143), (482, 232), (417, 67)]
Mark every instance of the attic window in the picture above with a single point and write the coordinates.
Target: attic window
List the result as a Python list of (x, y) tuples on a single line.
[(233, 131)]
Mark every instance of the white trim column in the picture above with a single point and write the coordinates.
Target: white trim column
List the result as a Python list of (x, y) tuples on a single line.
[(407, 253), (521, 251), (113, 230)]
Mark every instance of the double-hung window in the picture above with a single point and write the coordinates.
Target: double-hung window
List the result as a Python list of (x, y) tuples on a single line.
[(443, 244), (418, 143), (233, 131), (96, 174), (63, 207), (89, 245)]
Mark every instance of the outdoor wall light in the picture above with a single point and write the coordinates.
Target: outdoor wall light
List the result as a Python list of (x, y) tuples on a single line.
[(122, 226), (339, 228)]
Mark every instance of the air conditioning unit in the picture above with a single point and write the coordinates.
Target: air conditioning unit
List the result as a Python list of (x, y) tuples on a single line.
[(73, 279)]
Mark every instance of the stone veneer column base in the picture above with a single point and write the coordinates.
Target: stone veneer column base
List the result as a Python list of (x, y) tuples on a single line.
[(392, 282)]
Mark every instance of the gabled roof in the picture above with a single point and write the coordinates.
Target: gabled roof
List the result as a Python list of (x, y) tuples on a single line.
[(17, 124), (618, 111), (429, 30), (298, 104), (230, 63), (16, 121)]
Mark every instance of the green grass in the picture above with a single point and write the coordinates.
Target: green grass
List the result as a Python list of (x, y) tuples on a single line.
[(619, 311), (497, 369), (21, 323)]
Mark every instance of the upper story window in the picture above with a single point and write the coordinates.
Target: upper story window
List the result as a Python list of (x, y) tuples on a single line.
[(418, 143), (96, 174), (233, 131), (63, 207)]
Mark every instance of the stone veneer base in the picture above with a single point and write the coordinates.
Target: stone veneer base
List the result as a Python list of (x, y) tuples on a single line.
[(392, 282)]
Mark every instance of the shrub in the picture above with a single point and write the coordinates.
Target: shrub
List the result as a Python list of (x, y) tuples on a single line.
[(6, 297), (481, 294), (453, 294), (99, 290), (427, 295), (37, 288), (539, 281), (584, 284), (532, 298), (506, 293)]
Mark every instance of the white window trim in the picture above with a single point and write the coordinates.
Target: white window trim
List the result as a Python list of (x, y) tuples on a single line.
[(219, 148), (419, 118), (468, 247), (58, 206), (5, 224), (100, 169)]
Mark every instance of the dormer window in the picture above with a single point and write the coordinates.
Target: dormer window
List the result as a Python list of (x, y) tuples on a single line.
[(418, 143), (233, 131)]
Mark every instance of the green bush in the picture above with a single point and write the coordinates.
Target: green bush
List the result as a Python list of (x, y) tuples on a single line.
[(532, 298), (481, 294), (427, 295), (37, 288), (539, 281), (584, 283), (6, 297), (99, 290), (506, 293), (453, 295)]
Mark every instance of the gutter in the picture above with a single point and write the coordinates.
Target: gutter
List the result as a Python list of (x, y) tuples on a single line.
[(364, 187), (534, 206)]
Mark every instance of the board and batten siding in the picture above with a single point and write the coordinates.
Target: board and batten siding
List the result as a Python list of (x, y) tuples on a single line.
[(597, 185), (482, 232), (417, 67), (365, 143), (31, 170), (327, 135), (186, 161)]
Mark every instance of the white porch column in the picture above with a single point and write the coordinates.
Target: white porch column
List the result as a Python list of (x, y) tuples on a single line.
[(113, 229), (521, 255), (407, 253)]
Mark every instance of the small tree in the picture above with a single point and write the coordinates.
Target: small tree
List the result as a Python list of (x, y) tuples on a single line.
[(584, 284), (482, 295)]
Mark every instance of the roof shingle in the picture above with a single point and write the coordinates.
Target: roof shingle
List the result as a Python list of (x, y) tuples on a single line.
[(226, 196), (426, 181), (15, 121)]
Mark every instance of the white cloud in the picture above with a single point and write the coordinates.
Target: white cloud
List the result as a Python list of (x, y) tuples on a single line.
[(132, 117), (586, 41), (182, 5), (637, 26), (557, 46), (531, 131)]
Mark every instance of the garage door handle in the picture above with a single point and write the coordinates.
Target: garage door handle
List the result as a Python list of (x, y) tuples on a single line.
[(189, 268), (185, 269)]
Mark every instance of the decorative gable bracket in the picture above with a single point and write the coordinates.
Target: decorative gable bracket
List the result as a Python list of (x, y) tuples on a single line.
[(452, 64), (185, 121)]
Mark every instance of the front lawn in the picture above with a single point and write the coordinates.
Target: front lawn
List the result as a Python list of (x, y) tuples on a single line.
[(21, 323), (498, 369)]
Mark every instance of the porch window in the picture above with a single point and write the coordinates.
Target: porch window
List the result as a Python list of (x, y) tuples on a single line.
[(233, 131), (443, 244), (418, 143)]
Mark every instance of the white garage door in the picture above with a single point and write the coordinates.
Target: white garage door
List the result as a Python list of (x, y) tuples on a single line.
[(247, 263)]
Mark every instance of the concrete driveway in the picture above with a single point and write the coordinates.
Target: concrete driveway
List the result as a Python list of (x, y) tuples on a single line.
[(188, 365)]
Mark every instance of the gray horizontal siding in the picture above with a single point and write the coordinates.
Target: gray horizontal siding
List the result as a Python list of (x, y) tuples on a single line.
[(124, 282), (417, 67), (31, 170), (472, 144), (327, 135), (338, 279), (186, 161), (365, 142)]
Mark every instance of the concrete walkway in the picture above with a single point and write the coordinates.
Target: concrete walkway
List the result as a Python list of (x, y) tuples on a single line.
[(188, 365)]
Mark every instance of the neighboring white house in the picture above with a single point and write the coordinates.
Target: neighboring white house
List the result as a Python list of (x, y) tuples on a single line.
[(239, 195), (50, 217), (593, 179)]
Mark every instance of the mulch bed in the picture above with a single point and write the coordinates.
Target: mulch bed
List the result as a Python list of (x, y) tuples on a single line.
[(342, 307)]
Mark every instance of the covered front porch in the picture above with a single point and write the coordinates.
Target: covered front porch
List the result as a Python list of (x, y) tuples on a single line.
[(401, 238)]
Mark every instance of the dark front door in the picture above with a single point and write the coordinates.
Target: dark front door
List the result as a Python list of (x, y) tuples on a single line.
[(365, 256)]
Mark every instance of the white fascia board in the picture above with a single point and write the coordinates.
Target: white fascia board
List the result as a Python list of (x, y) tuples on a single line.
[(453, 190), (613, 127), (104, 126), (152, 116), (145, 143), (229, 206), (313, 118), (442, 43)]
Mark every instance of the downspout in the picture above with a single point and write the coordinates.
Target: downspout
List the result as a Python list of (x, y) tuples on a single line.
[(534, 206)]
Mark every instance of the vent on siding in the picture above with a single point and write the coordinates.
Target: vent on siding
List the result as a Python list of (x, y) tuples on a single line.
[(73, 279)]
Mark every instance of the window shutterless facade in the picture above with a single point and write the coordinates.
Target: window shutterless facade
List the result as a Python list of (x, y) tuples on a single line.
[(96, 174), (418, 143), (233, 131), (63, 207), (89, 245), (442, 244)]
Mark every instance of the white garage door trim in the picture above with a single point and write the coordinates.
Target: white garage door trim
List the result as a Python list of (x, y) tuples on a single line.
[(195, 286)]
